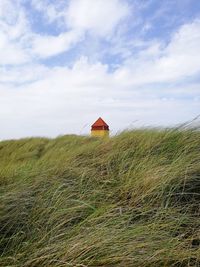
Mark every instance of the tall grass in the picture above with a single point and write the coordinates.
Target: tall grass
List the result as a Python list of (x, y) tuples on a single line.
[(132, 200)]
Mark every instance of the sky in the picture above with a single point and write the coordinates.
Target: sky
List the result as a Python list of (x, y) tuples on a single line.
[(63, 64)]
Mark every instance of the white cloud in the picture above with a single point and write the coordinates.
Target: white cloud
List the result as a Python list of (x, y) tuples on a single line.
[(63, 100), (53, 11), (174, 62), (13, 26), (99, 16), (22, 74), (11, 52), (46, 46), (41, 100), (7, 12), (19, 44)]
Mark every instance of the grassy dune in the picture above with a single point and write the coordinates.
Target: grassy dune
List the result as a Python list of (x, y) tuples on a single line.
[(132, 200)]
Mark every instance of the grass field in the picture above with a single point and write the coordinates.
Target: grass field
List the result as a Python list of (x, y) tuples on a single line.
[(131, 200)]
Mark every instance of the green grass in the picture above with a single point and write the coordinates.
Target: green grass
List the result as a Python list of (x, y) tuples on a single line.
[(131, 200)]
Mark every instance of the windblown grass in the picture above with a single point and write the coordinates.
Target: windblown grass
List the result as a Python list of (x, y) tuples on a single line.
[(132, 200)]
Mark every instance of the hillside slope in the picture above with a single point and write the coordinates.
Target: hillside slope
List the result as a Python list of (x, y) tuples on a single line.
[(132, 200)]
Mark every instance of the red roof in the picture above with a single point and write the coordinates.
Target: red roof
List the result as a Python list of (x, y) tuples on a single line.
[(100, 122)]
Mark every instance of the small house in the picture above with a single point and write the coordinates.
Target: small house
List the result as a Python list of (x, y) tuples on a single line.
[(100, 128)]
